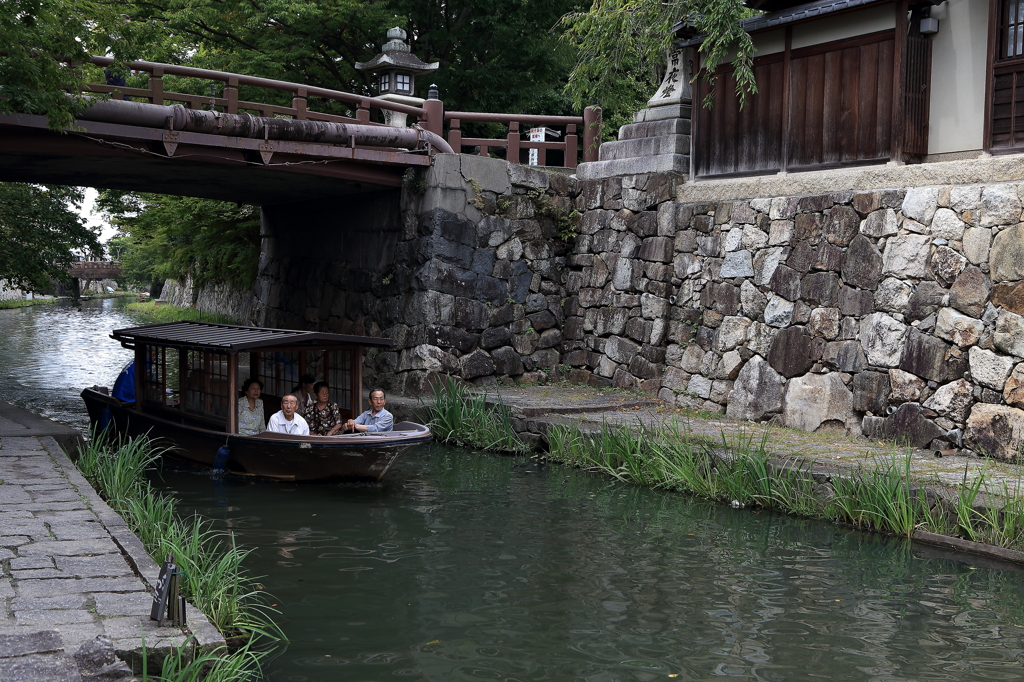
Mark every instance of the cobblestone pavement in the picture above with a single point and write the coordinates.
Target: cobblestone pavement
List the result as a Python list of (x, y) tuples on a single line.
[(70, 565)]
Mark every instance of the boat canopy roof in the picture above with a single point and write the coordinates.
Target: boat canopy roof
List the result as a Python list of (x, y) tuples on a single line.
[(232, 338)]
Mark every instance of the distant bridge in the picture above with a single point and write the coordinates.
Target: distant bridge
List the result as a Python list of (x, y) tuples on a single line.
[(221, 147), (95, 269)]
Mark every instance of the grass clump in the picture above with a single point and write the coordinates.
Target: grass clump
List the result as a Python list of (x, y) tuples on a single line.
[(215, 580), (463, 418), (22, 303), (169, 313), (742, 472)]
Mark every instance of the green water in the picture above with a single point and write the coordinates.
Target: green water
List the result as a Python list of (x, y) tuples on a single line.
[(465, 566)]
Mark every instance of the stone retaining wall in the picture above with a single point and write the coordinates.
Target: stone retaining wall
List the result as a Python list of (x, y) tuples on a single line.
[(896, 313), (891, 312), (220, 299)]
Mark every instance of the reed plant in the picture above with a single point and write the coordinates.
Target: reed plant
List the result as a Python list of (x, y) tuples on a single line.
[(742, 471), (215, 579), (463, 418), (183, 664)]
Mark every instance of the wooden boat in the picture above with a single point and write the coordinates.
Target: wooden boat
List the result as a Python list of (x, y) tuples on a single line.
[(188, 394)]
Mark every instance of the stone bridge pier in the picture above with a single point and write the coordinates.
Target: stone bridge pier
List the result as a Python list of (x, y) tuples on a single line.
[(463, 268)]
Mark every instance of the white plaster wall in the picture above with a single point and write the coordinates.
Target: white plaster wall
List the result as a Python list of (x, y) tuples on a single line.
[(844, 25), (769, 42), (958, 76)]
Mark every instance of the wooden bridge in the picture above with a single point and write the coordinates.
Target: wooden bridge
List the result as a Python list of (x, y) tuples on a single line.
[(95, 269), (223, 147)]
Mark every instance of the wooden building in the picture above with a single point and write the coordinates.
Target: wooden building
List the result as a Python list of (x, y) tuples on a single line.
[(857, 82)]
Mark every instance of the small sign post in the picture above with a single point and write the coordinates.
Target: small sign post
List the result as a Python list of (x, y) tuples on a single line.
[(163, 587)]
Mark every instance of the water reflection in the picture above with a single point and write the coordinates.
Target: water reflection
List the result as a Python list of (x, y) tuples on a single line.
[(468, 567)]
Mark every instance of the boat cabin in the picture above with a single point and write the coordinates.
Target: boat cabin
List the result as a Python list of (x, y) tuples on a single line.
[(191, 372)]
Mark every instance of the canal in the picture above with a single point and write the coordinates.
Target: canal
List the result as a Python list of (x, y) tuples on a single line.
[(466, 566)]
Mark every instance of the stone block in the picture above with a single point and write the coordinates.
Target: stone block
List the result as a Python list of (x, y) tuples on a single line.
[(807, 227), (786, 283), (988, 368), (731, 333), (752, 301), (801, 256), (958, 328), (778, 312), (995, 431), (1009, 333), (871, 392), (821, 288), (657, 249), (780, 232), (507, 361), (920, 204), (999, 206), (905, 387), (1006, 259), (880, 223), (841, 225), (824, 322), (721, 297), (908, 425), (846, 356), (952, 400), (977, 242), (892, 295), (765, 263), (756, 393), (947, 264), (854, 302), (1009, 296), (699, 386), (813, 400), (970, 292), (862, 265), (925, 356), (621, 350), (737, 264), (883, 339), (791, 354), (906, 255), (828, 257)]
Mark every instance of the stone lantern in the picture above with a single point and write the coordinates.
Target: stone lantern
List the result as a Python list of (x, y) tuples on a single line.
[(396, 69)]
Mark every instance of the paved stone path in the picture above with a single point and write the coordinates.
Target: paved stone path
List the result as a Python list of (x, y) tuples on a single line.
[(70, 566)]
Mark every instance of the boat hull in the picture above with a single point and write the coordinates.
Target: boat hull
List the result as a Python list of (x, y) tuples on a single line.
[(361, 457)]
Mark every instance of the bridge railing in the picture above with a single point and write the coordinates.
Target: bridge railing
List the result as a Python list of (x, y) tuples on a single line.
[(431, 116), (228, 101), (513, 144)]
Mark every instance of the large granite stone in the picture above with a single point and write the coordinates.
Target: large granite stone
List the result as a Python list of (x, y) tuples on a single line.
[(871, 392), (977, 242), (905, 387), (920, 203), (862, 265), (1013, 390), (824, 322), (786, 283), (925, 356), (958, 328), (988, 368), (765, 263), (731, 333), (952, 400), (946, 225), (620, 350), (721, 297), (807, 227), (906, 255), (947, 264), (841, 225), (880, 223), (476, 364), (925, 300), (846, 356), (1009, 333), (995, 431), (756, 393), (892, 295), (883, 339), (1009, 296), (999, 206), (791, 352), (812, 400), (970, 292), (855, 302), (752, 300), (908, 425), (737, 264), (820, 288), (1006, 259)]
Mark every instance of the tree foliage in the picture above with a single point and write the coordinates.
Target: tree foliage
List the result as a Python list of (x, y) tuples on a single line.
[(622, 44), (162, 237), (39, 231)]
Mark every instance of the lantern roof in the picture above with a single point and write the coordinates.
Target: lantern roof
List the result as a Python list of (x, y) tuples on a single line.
[(397, 55)]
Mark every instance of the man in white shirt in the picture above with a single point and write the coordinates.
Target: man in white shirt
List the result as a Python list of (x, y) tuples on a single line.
[(286, 420)]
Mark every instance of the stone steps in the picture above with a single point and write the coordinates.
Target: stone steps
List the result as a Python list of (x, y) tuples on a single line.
[(646, 146), (658, 141), (669, 126)]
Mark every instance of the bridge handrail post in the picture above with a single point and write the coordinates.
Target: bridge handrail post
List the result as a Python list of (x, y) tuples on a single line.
[(434, 120), (363, 111), (512, 142), (231, 95), (591, 133), (299, 103), (156, 86), (571, 142), (455, 135)]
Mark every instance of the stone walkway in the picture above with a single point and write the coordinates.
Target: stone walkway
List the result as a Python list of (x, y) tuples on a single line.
[(72, 571)]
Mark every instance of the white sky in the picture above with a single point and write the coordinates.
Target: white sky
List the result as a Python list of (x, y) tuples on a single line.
[(93, 219)]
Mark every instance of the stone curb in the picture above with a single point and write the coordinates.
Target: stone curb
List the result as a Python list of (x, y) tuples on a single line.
[(207, 637)]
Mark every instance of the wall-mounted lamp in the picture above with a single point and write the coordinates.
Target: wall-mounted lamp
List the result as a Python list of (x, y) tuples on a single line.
[(929, 25)]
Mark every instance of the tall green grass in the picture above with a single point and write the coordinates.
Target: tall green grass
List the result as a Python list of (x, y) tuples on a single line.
[(215, 580), (463, 418), (742, 471), (169, 313)]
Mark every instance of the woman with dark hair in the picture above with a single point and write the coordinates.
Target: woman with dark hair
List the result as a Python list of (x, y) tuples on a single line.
[(323, 416), (306, 393), (250, 410)]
